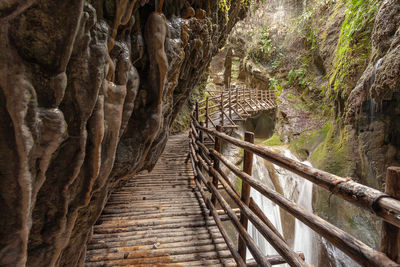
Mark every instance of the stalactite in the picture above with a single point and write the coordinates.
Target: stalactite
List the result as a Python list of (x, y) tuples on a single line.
[(155, 34), (160, 6), (69, 103), (123, 15)]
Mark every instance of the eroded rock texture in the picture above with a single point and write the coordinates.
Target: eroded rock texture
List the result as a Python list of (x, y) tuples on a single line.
[(372, 109), (80, 110)]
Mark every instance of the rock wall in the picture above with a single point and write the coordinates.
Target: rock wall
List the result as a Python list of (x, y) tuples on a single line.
[(88, 92), (338, 68), (372, 107)]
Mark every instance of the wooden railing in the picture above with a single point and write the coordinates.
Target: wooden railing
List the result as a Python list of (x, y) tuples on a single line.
[(206, 161), (233, 105)]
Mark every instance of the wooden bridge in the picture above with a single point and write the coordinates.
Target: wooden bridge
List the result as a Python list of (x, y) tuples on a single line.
[(230, 106), (173, 215)]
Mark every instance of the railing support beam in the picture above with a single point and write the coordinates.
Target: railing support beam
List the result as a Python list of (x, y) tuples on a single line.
[(390, 243), (206, 112), (230, 104), (245, 196), (196, 112), (222, 109), (217, 147)]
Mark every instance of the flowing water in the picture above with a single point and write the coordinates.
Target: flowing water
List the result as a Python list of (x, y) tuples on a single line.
[(300, 191), (293, 187)]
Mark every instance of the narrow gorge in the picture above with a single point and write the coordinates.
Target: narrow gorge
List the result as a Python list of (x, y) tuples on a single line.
[(92, 90)]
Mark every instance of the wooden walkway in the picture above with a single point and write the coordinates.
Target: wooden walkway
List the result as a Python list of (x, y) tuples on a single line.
[(231, 106), (159, 219)]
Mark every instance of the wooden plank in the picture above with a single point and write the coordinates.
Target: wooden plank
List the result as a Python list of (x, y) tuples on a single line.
[(156, 233), (159, 218), (149, 259), (147, 243)]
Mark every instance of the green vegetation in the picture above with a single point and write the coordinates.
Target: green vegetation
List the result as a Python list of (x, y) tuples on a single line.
[(306, 142), (183, 119), (274, 84), (275, 140), (298, 76), (353, 49), (266, 47), (305, 28), (225, 6), (238, 185), (262, 49), (333, 155)]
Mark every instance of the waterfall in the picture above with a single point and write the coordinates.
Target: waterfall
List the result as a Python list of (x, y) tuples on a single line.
[(304, 239), (372, 104), (296, 189), (270, 209), (337, 257), (299, 190)]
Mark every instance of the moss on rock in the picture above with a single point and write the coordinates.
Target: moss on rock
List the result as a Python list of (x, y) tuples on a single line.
[(275, 140), (333, 154)]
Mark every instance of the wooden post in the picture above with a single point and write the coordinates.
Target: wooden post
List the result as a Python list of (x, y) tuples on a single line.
[(237, 98), (243, 95), (390, 243), (201, 139), (201, 134), (230, 104), (245, 196), (250, 92), (217, 147), (207, 112), (257, 93), (222, 109), (197, 111)]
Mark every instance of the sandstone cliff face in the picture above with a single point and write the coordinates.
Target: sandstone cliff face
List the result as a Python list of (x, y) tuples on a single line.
[(88, 91)]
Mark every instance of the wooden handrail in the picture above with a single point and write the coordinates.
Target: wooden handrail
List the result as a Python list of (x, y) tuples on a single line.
[(228, 241), (363, 196), (385, 205), (292, 258), (351, 246), (390, 243), (354, 248)]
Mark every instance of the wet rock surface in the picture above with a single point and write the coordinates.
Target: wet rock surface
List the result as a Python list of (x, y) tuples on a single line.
[(371, 109), (81, 111)]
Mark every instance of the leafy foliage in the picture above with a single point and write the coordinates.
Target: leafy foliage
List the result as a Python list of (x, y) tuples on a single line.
[(225, 6), (266, 46), (353, 47), (263, 48), (274, 84), (298, 76)]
